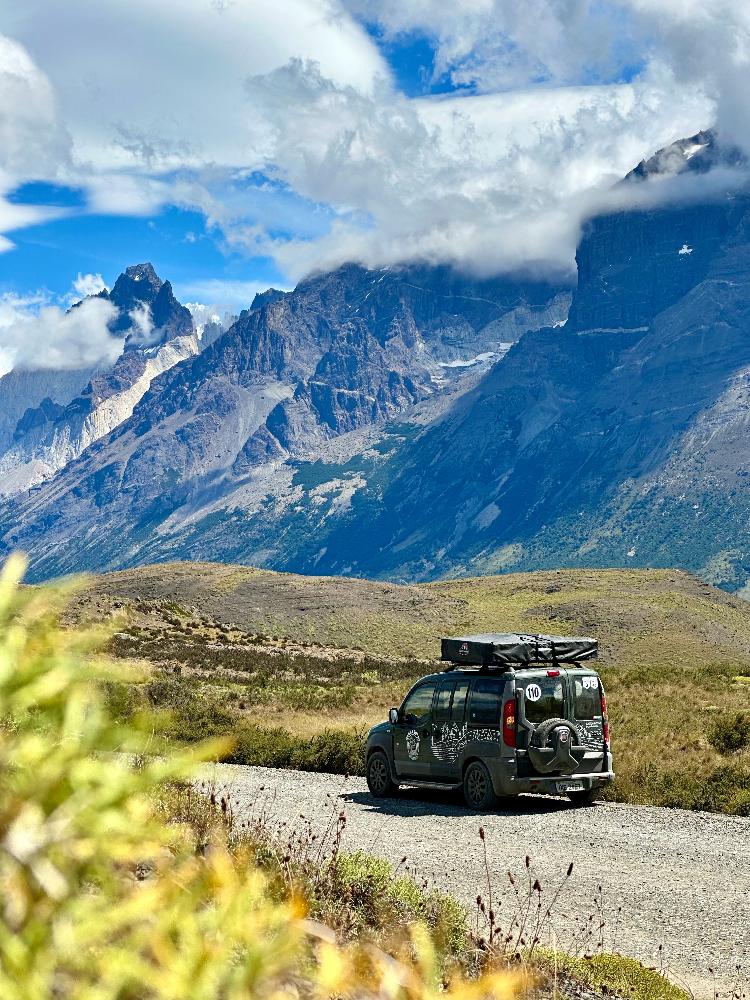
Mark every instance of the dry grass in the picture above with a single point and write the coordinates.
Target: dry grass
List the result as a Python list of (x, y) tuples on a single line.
[(314, 654)]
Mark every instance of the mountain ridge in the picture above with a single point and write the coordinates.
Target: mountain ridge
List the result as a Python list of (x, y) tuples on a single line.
[(412, 423)]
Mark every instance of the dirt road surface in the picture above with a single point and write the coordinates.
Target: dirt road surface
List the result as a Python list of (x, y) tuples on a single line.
[(675, 885)]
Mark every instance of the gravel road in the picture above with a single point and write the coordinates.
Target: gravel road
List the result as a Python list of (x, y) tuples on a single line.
[(679, 880)]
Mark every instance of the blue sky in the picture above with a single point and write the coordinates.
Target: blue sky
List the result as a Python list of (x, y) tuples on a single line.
[(250, 143), (177, 241), (180, 244)]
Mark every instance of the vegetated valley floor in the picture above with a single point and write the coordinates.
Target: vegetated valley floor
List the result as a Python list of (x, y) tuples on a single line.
[(277, 659)]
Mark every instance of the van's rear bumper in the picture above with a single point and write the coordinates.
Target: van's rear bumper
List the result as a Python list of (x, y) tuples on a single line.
[(506, 780)]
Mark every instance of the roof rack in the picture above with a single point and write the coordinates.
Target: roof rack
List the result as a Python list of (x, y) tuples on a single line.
[(502, 650)]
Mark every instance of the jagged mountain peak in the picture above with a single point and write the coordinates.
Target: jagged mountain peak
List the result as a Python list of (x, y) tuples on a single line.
[(266, 298), (144, 273), (697, 154)]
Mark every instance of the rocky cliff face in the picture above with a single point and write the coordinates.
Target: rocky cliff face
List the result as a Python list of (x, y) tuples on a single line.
[(22, 390), (158, 334), (297, 374), (411, 423)]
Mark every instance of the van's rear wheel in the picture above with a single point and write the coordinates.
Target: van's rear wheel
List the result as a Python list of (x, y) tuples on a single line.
[(478, 790), (379, 776), (585, 798)]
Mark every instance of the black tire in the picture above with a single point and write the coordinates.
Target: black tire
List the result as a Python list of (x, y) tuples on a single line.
[(585, 798), (379, 776), (478, 791)]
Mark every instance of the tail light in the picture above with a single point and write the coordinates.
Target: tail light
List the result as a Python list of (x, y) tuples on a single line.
[(605, 719), (509, 722)]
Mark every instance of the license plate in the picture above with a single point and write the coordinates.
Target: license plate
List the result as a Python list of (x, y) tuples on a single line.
[(569, 786)]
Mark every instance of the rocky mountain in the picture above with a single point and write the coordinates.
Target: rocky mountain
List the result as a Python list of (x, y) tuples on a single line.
[(24, 389), (320, 370), (52, 431), (412, 423)]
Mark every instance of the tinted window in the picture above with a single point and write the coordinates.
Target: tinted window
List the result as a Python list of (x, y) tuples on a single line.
[(486, 698), (443, 703), (419, 703), (587, 702), (458, 708), (544, 698)]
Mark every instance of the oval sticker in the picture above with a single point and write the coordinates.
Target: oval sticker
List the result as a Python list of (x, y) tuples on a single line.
[(533, 692)]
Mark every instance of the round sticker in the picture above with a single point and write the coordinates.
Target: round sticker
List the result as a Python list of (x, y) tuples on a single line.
[(533, 692)]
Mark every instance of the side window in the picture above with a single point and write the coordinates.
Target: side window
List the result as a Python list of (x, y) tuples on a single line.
[(443, 703), (418, 705), (586, 698), (486, 701), (458, 707)]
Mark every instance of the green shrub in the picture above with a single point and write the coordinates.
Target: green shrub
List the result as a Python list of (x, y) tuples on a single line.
[(102, 899), (193, 713), (725, 789), (336, 751), (731, 733), (623, 977)]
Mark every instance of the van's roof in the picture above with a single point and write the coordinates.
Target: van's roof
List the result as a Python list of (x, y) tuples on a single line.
[(499, 672), (506, 649)]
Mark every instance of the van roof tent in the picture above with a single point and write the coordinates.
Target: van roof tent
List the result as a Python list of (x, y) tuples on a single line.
[(511, 649)]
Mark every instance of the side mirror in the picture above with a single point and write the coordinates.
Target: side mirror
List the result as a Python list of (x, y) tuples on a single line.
[(393, 716)]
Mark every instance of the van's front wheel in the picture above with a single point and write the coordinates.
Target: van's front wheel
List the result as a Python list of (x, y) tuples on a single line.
[(478, 790), (379, 776)]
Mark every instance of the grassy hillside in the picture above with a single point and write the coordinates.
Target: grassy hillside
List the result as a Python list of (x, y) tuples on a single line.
[(228, 647)]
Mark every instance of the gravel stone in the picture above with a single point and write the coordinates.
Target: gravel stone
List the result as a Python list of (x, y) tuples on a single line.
[(680, 880)]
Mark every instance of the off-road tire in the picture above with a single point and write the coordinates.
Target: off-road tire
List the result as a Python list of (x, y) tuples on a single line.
[(478, 791), (542, 732), (585, 798), (379, 779)]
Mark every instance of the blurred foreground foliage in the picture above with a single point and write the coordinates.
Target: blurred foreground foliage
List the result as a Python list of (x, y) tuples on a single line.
[(100, 898)]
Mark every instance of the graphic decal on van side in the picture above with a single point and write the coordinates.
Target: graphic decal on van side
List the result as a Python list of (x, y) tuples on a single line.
[(590, 734), (447, 744), (412, 744)]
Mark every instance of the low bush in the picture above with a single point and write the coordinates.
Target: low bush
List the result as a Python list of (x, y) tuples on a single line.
[(191, 713), (333, 750), (619, 976), (731, 733), (102, 898), (724, 789)]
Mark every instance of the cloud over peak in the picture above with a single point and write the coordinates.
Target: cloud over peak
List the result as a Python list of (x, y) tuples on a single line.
[(283, 126)]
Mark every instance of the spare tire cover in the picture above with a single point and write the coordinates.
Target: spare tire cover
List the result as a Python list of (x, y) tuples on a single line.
[(553, 734)]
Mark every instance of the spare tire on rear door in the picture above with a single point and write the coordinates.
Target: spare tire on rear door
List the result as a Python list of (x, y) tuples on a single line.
[(549, 746)]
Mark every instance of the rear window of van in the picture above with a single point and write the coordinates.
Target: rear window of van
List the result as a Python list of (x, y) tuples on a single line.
[(587, 702), (543, 698)]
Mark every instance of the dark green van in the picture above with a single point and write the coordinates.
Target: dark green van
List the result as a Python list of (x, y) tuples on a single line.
[(512, 713)]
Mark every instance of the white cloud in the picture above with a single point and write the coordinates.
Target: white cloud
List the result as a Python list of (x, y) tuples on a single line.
[(34, 334), (215, 314), (142, 324), (707, 44), (495, 178), (494, 45), (88, 284), (32, 141), (494, 182), (142, 86)]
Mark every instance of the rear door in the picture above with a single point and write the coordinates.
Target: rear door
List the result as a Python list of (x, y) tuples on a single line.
[(571, 694), (545, 696), (588, 719)]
